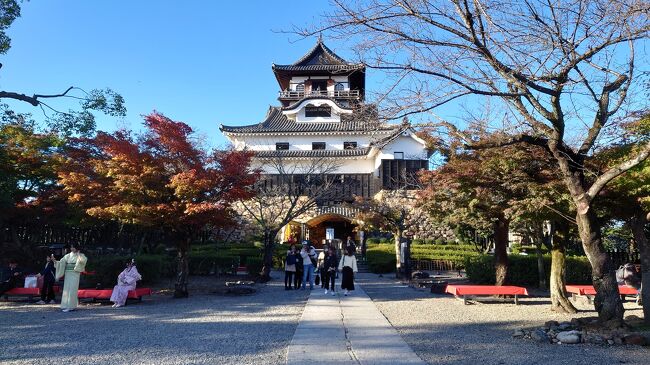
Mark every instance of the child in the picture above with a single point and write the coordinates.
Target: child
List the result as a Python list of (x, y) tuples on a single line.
[(48, 274)]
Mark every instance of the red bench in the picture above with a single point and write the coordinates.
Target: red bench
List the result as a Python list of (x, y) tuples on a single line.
[(105, 294), (466, 292), (589, 291), (30, 293)]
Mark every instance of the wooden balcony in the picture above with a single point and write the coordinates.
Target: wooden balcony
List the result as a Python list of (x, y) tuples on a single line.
[(338, 94)]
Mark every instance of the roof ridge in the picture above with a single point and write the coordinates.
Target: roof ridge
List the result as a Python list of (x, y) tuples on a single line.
[(327, 50)]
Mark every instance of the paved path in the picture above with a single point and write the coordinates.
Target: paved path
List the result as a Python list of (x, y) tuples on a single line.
[(346, 330)]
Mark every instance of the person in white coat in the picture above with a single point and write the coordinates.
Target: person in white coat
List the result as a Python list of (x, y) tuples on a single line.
[(348, 266)]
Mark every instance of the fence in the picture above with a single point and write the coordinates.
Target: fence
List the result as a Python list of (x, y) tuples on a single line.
[(435, 265)]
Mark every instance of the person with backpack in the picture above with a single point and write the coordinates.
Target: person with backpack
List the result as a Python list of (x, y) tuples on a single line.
[(629, 276), (290, 267)]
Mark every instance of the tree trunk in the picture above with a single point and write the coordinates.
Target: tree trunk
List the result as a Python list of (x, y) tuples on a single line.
[(501, 227), (608, 302), (267, 260), (398, 253), (182, 270), (559, 299), (639, 222)]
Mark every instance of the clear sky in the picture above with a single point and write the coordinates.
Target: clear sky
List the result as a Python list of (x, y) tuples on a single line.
[(201, 62)]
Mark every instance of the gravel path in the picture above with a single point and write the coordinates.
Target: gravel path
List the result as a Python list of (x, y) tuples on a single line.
[(204, 329), (442, 330)]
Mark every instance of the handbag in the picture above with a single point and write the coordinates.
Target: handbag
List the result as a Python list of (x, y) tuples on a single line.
[(31, 282), (317, 280)]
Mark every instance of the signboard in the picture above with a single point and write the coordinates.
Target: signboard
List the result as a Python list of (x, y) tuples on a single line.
[(329, 233)]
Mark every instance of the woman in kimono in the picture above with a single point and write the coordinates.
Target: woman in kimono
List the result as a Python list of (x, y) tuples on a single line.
[(125, 281), (70, 268)]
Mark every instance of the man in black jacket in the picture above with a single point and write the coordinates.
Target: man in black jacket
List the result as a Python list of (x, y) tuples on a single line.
[(11, 277), (48, 275)]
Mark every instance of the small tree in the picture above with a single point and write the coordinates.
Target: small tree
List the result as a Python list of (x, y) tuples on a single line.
[(287, 190), (162, 179)]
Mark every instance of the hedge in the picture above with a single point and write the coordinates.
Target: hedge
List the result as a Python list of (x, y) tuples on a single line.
[(107, 268), (522, 270), (381, 258)]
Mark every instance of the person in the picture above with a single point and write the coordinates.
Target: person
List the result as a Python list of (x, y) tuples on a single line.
[(48, 274), (364, 249), (290, 267), (308, 254), (126, 281), (70, 266), (11, 277), (297, 280), (629, 276), (320, 265), (329, 269), (350, 245), (348, 266)]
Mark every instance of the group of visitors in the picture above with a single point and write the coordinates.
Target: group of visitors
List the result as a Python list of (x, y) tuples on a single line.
[(305, 266), (69, 267)]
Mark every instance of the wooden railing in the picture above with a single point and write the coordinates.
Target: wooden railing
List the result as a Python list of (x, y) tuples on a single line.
[(290, 94)]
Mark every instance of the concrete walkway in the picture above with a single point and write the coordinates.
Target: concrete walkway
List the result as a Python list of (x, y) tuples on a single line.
[(346, 330)]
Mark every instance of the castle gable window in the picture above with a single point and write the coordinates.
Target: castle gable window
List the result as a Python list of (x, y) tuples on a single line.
[(318, 145), (282, 146), (318, 111), (349, 145)]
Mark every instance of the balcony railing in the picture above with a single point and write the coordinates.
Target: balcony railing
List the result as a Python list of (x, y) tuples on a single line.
[(347, 94)]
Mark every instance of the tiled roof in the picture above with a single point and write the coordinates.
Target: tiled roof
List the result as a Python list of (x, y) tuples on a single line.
[(320, 58), (276, 122), (314, 153)]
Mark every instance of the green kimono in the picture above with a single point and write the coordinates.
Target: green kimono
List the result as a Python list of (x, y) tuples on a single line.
[(71, 266)]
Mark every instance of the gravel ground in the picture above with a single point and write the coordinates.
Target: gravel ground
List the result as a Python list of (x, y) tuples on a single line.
[(442, 330), (203, 329)]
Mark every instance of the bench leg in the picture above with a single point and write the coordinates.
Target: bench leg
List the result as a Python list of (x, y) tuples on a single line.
[(516, 299), (465, 300)]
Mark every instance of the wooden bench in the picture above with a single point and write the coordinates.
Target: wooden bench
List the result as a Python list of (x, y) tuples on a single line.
[(30, 293), (588, 291), (466, 292), (105, 294)]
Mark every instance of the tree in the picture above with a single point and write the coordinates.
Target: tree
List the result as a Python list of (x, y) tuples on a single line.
[(553, 66), (161, 179), (62, 122), (388, 215), (628, 196), (288, 190)]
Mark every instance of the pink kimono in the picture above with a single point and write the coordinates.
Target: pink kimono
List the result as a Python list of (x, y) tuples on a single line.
[(125, 282)]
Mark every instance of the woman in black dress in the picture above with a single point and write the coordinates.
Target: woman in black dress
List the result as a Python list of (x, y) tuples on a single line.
[(348, 266)]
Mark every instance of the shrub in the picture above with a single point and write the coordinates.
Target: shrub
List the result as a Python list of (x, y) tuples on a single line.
[(107, 268), (440, 241), (417, 241), (254, 265), (372, 241), (522, 270), (208, 262), (381, 258), (385, 240)]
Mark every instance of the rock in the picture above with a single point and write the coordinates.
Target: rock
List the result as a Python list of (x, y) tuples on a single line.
[(569, 337), (551, 324), (634, 339), (540, 336), (576, 322), (610, 342), (613, 324), (618, 340), (564, 326), (555, 340), (595, 339), (518, 333)]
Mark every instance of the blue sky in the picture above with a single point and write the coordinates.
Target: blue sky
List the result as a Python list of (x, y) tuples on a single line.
[(201, 62)]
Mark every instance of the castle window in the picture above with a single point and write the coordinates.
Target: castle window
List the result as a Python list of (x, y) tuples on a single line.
[(318, 111), (318, 145), (282, 146), (349, 145), (300, 88), (340, 86)]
